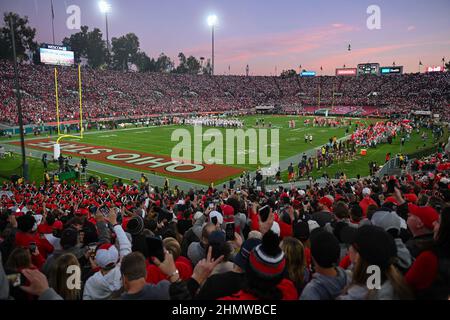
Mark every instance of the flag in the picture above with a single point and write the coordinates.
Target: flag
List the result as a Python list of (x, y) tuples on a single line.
[(420, 63), (53, 12)]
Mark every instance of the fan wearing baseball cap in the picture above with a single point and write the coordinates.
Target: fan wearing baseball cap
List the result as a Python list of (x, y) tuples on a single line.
[(372, 246), (323, 216), (421, 221), (366, 201), (429, 275), (108, 279)]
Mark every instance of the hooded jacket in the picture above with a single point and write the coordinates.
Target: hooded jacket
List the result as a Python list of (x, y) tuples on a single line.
[(196, 252), (323, 287), (100, 287), (357, 292), (404, 258)]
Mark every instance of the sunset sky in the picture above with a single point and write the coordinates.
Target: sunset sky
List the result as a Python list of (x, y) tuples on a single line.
[(267, 35)]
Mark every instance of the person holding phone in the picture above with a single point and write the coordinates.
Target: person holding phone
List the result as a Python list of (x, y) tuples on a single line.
[(104, 282), (26, 237), (197, 250), (20, 258)]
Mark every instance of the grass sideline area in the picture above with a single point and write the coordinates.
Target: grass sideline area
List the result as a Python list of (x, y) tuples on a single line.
[(36, 170), (361, 163)]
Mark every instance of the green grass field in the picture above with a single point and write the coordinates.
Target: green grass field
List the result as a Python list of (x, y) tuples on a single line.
[(157, 140), (361, 164), (12, 165)]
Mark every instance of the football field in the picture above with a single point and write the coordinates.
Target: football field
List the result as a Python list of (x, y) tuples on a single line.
[(148, 149)]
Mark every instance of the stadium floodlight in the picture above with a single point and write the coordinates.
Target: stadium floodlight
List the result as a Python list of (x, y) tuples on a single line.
[(104, 6), (212, 22)]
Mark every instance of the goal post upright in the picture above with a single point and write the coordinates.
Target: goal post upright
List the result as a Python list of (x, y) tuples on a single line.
[(57, 101), (81, 103), (56, 150)]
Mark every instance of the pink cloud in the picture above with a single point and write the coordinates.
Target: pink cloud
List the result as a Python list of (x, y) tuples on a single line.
[(411, 28), (248, 49), (381, 54)]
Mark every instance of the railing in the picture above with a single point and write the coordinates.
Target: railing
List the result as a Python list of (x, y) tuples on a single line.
[(388, 167)]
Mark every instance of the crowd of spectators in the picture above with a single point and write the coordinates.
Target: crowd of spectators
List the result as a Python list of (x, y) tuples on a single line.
[(108, 93), (240, 243)]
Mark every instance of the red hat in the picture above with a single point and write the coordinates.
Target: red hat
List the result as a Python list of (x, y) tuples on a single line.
[(296, 204), (228, 213), (392, 200), (57, 225), (82, 212), (44, 228), (410, 197), (428, 215), (106, 256), (326, 202)]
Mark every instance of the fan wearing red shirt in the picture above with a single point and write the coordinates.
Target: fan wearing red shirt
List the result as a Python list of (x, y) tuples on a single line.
[(366, 201), (27, 238)]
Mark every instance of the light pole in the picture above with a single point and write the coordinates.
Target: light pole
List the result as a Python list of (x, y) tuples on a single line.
[(212, 21), (18, 101), (105, 8)]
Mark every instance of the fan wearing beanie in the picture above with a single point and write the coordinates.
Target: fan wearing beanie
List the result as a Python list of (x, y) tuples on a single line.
[(328, 281), (265, 271), (372, 246)]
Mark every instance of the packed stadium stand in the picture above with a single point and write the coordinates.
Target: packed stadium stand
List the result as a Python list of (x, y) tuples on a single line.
[(118, 94)]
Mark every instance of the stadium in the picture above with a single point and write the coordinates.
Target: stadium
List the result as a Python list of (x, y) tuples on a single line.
[(244, 186)]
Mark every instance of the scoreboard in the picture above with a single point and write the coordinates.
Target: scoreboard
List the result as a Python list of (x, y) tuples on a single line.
[(369, 68), (391, 70), (56, 55)]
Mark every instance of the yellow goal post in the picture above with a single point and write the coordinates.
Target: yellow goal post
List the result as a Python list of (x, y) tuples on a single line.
[(61, 136)]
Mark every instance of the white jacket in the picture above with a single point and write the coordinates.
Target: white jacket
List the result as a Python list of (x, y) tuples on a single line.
[(99, 286)]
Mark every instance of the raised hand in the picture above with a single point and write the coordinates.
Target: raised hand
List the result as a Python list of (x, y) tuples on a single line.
[(205, 266)]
